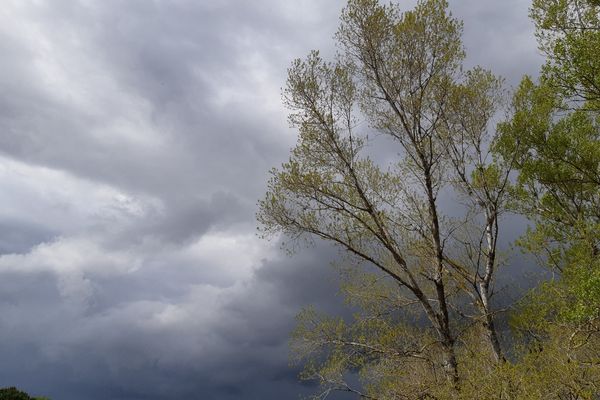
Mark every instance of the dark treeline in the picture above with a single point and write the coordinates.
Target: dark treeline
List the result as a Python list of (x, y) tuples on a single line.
[(12, 393)]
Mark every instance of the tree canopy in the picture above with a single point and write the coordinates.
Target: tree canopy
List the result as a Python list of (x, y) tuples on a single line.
[(422, 273), (12, 393)]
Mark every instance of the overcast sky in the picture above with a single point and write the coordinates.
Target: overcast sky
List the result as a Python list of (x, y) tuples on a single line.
[(135, 140)]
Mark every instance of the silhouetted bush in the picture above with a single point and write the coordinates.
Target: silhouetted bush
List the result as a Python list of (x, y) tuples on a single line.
[(12, 393)]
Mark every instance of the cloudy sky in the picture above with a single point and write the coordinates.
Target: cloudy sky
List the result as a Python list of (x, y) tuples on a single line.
[(135, 140)]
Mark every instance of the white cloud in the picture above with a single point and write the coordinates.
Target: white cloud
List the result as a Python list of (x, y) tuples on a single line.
[(65, 203), (70, 71)]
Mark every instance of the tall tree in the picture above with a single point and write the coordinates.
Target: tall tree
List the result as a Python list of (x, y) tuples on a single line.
[(402, 73), (555, 132)]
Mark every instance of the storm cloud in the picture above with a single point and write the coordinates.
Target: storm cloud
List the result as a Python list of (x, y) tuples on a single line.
[(135, 139)]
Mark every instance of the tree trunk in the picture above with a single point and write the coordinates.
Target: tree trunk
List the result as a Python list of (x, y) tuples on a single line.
[(450, 363), (491, 234), (447, 339)]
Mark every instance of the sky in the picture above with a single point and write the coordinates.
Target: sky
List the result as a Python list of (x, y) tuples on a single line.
[(136, 137)]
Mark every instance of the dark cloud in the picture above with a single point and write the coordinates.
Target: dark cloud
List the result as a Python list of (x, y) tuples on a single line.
[(187, 344), (136, 139)]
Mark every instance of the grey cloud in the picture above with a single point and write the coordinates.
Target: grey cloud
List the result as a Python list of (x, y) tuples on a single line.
[(176, 57), (20, 236), (119, 276), (113, 351), (185, 219), (499, 36)]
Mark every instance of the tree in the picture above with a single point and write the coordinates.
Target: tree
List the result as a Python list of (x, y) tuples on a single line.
[(568, 34), (12, 393), (423, 278), (556, 123), (554, 130)]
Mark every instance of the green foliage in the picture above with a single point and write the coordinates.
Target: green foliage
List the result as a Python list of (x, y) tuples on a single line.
[(557, 370), (12, 393), (421, 281), (555, 132), (569, 34), (390, 356), (557, 139), (401, 73)]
